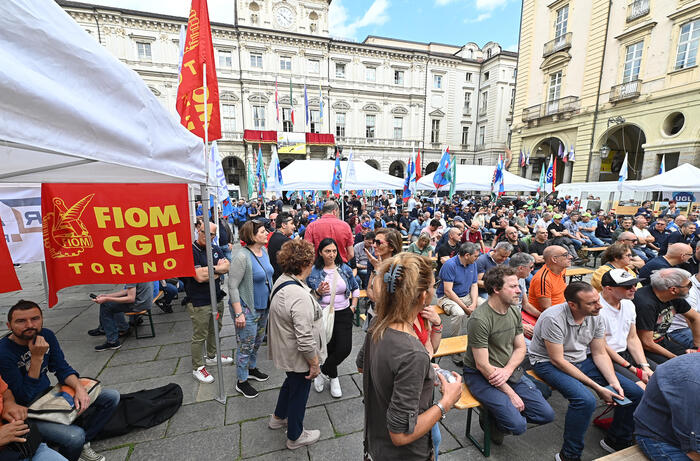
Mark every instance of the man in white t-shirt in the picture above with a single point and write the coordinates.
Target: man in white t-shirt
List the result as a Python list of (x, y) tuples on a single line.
[(644, 238), (619, 316), (679, 331)]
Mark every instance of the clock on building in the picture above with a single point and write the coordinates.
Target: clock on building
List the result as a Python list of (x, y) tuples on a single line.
[(284, 16)]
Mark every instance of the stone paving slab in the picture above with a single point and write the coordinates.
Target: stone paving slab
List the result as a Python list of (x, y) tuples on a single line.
[(198, 416), (221, 444), (132, 356), (138, 371)]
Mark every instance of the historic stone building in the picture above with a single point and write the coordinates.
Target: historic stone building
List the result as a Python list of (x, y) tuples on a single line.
[(382, 98), (605, 78)]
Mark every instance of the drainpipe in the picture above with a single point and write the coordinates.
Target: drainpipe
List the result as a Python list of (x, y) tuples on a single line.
[(597, 96), (99, 34)]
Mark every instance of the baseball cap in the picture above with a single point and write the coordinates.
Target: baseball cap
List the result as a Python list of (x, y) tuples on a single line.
[(366, 224), (459, 218), (557, 216), (618, 278)]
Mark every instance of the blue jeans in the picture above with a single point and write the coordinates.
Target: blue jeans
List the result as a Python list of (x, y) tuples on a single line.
[(169, 293), (657, 450), (71, 438), (112, 319), (437, 438), (250, 337), (582, 404), (648, 252), (291, 403), (641, 254), (44, 453), (595, 241), (227, 252), (576, 243), (508, 419), (684, 337)]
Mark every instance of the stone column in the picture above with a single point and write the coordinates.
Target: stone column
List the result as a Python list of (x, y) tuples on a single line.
[(249, 161), (568, 169), (594, 167)]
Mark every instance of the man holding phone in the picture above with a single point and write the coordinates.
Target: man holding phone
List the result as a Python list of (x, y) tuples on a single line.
[(562, 335)]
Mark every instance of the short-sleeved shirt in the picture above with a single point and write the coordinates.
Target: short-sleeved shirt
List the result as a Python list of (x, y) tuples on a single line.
[(537, 248), (445, 250), (572, 227), (554, 227), (547, 284), (262, 279), (471, 236), (557, 326), (656, 315), (462, 277), (618, 323), (144, 295), (652, 265), (198, 292), (487, 329), (330, 226)]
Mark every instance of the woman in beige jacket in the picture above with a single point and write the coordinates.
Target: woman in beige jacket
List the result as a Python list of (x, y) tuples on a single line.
[(296, 339)]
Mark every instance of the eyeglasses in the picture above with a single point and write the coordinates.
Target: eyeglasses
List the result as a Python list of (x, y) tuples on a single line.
[(687, 287), (379, 242)]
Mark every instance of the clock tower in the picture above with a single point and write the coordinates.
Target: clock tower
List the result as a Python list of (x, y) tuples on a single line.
[(298, 16)]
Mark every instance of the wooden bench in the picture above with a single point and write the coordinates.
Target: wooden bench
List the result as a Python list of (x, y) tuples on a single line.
[(137, 315), (469, 403), (596, 252), (633, 453), (451, 346), (577, 273), (438, 309)]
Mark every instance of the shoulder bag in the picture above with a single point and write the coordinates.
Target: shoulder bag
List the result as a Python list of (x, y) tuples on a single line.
[(329, 313), (57, 405), (267, 280)]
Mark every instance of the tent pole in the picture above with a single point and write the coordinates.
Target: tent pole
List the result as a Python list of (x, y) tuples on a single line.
[(45, 281), (210, 259)]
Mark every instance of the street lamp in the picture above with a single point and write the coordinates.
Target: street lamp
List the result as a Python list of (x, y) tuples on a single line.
[(604, 151)]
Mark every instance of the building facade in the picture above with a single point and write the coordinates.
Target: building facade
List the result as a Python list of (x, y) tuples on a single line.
[(604, 78), (382, 98)]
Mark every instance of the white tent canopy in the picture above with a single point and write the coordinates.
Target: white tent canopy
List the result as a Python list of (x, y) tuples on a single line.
[(684, 178), (580, 188), (318, 174), (71, 112), (478, 178)]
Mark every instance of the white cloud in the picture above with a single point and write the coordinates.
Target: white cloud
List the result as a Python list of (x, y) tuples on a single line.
[(481, 17), (490, 5), (338, 18), (513, 48), (443, 2)]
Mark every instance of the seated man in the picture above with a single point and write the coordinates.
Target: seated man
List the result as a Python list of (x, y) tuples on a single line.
[(562, 336), (27, 354), (559, 235), (537, 246), (548, 284), (361, 260), (666, 422), (473, 235), (619, 316), (588, 228), (577, 238), (656, 305), (449, 248), (134, 297), (497, 256), (679, 332), (457, 290), (629, 240), (523, 264), (677, 254), (495, 349), (604, 229), (645, 241)]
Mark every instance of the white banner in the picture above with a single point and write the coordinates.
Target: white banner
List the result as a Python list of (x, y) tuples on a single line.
[(20, 211)]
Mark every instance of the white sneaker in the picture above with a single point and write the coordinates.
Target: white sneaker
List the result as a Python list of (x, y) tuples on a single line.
[(225, 360), (319, 381), (88, 454), (335, 388), (201, 374), (306, 438)]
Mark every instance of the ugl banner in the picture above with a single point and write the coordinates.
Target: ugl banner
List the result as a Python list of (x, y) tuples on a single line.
[(115, 233)]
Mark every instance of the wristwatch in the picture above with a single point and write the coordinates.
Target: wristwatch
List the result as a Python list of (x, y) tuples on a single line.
[(442, 410), (237, 314)]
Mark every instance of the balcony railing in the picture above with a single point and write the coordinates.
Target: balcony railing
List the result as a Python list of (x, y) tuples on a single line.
[(483, 110), (629, 90), (466, 111), (388, 142), (637, 9), (554, 107), (559, 43), (479, 147)]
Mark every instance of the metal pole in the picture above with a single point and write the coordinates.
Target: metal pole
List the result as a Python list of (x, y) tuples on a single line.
[(45, 281), (210, 260)]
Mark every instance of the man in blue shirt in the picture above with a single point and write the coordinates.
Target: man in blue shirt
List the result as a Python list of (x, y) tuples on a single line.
[(27, 354), (457, 291), (500, 254), (666, 421)]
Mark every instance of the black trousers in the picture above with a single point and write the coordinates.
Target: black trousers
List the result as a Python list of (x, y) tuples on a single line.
[(291, 403), (341, 343)]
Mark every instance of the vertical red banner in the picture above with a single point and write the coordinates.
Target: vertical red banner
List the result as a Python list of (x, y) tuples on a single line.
[(8, 276), (115, 233)]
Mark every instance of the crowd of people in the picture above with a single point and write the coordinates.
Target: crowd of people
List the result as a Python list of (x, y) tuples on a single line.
[(431, 269)]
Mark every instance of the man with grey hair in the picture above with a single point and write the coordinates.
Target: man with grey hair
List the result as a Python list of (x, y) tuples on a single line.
[(656, 305), (497, 256), (457, 290), (329, 226), (523, 264)]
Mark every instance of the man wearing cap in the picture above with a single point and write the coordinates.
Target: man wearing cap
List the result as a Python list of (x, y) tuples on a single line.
[(619, 316), (656, 304), (365, 227), (559, 235), (588, 228), (559, 354)]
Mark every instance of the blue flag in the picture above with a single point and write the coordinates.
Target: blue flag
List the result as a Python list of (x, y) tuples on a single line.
[(497, 186), (337, 176), (442, 174), (662, 167), (410, 173)]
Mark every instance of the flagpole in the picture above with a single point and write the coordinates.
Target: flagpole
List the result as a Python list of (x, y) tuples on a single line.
[(208, 241)]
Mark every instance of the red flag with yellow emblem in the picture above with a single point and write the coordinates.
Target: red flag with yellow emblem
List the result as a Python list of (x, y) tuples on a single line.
[(198, 50)]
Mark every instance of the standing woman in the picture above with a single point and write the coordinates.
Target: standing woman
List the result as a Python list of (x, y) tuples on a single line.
[(398, 378), (297, 340), (329, 268), (250, 282), (387, 243)]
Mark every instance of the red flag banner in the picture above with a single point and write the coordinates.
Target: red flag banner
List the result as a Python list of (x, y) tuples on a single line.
[(190, 93), (115, 233), (8, 276)]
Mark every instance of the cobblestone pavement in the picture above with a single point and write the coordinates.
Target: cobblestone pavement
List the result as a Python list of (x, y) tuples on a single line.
[(206, 429)]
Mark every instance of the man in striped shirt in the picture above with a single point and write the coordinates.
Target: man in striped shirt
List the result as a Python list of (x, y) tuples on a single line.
[(548, 284)]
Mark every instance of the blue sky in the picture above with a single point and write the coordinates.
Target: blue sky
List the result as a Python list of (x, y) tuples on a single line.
[(454, 22)]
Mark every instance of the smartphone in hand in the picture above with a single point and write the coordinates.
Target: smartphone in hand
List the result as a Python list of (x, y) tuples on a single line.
[(93, 295), (622, 402)]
